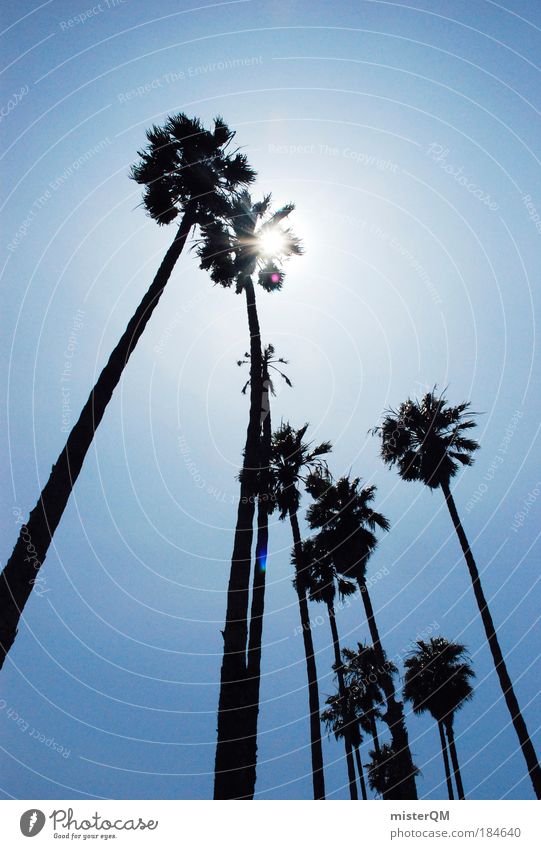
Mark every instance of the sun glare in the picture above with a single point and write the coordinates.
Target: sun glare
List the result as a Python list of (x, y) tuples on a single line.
[(272, 242)]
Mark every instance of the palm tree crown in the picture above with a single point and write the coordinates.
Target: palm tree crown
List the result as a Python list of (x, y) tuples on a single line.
[(343, 513), (426, 439), (234, 244), (292, 461), (318, 574), (186, 164), (438, 678)]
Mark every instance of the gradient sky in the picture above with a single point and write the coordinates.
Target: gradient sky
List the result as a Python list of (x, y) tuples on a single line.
[(409, 140)]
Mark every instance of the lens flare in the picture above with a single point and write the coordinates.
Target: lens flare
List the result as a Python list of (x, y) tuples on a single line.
[(262, 560)]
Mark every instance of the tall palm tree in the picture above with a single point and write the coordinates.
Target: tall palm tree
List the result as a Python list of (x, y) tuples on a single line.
[(427, 441), (188, 172), (321, 581), (344, 516), (437, 680), (362, 674), (337, 718), (292, 461), (246, 242)]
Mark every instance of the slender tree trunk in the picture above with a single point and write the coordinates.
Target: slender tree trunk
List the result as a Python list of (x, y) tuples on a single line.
[(375, 737), (526, 744), (318, 778), (21, 570), (342, 691), (232, 778), (454, 759), (394, 717), (258, 588), (361, 772), (445, 754)]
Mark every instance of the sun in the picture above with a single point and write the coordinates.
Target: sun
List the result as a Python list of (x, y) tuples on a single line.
[(272, 242)]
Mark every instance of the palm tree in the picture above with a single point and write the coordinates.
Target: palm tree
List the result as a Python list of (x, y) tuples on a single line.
[(437, 680), (234, 248), (343, 514), (188, 172), (292, 460), (317, 573), (361, 673), (427, 441), (337, 718)]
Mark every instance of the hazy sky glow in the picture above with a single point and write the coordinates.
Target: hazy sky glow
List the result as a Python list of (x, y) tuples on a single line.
[(408, 138)]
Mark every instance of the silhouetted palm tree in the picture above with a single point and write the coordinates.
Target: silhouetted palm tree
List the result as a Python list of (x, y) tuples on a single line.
[(437, 680), (362, 674), (292, 462), (337, 718), (343, 514), (234, 249), (427, 441), (187, 171), (321, 581)]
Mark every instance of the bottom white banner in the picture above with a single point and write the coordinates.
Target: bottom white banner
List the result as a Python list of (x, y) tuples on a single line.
[(260, 824)]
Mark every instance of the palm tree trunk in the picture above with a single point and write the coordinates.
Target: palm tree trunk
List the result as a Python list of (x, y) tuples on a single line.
[(20, 572), (454, 759), (445, 754), (258, 590), (394, 717), (375, 737), (318, 778), (342, 690), (232, 778), (526, 744), (361, 772)]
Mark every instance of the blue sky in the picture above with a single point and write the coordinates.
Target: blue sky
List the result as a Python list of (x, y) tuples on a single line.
[(408, 139)]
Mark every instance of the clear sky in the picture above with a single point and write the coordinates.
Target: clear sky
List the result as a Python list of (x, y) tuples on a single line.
[(409, 140)]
